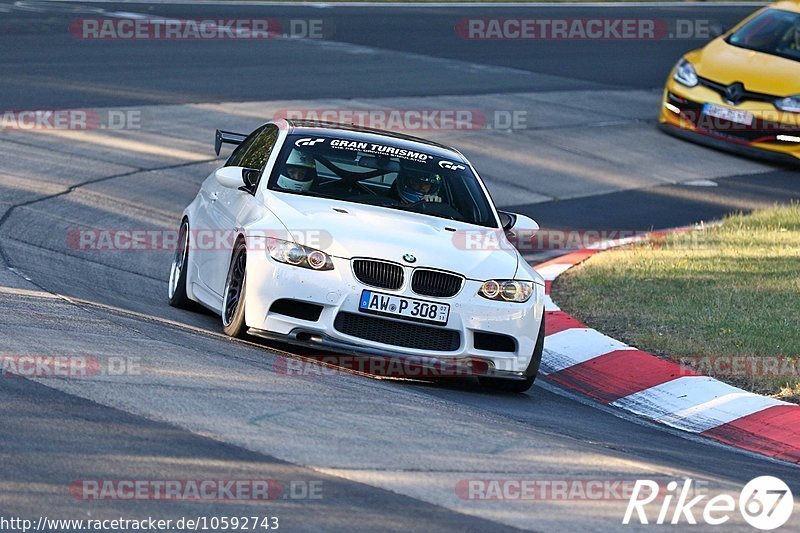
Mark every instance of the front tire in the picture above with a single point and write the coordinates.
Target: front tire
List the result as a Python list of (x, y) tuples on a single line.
[(234, 294), (514, 385), (177, 272)]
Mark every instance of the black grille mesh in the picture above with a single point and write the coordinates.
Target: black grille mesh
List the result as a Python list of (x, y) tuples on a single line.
[(378, 273), (746, 95), (397, 333), (435, 283)]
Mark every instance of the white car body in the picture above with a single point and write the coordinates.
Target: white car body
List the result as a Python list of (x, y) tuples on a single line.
[(354, 230)]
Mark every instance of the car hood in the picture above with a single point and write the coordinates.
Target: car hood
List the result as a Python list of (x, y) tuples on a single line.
[(759, 72), (347, 230)]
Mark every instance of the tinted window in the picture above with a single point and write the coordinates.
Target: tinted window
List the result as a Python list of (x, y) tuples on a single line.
[(236, 157), (256, 149), (774, 31)]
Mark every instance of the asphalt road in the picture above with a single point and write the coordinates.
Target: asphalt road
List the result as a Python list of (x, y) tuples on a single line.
[(389, 455), (53, 68)]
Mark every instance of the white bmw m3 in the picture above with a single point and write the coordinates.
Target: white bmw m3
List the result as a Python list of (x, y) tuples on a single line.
[(362, 242)]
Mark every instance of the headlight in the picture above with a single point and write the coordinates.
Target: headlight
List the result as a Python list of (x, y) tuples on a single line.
[(685, 73), (792, 103), (298, 255), (508, 290)]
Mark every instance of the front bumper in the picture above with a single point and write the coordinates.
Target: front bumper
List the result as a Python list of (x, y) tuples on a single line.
[(726, 145), (766, 138), (338, 291)]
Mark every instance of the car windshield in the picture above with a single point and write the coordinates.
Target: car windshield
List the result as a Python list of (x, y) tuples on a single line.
[(774, 32), (382, 174)]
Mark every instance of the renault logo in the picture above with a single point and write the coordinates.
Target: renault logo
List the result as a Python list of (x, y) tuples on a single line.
[(408, 258), (734, 93)]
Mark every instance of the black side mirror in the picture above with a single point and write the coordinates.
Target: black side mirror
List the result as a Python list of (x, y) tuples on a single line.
[(507, 220), (250, 179)]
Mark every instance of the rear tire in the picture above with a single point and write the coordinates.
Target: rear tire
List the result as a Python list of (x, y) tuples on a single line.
[(177, 272), (514, 385), (234, 294)]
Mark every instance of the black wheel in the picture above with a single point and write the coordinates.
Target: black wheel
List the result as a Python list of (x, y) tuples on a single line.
[(177, 272), (521, 385), (234, 294)]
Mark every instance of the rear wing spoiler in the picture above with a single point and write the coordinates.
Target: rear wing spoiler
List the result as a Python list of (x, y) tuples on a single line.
[(227, 137)]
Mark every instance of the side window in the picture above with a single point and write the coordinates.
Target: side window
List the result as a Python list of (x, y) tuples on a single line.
[(257, 153), (235, 160)]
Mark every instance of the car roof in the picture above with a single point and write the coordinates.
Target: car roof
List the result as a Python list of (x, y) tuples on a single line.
[(788, 5), (357, 133)]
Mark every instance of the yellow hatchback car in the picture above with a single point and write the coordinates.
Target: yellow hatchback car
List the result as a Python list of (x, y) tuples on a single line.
[(741, 92)]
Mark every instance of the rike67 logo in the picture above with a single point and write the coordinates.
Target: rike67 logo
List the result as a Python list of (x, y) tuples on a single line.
[(765, 503)]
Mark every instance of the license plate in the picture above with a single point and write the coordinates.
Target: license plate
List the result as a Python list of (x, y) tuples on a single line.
[(733, 115), (378, 303)]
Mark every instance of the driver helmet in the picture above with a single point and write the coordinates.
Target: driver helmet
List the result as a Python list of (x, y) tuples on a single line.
[(299, 172), (413, 186)]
